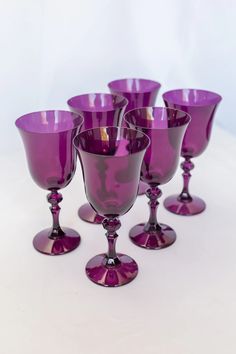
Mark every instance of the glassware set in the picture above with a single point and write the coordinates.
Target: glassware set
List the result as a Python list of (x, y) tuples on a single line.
[(126, 146)]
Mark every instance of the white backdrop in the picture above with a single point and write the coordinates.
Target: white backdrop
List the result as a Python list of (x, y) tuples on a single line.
[(51, 50), (184, 298)]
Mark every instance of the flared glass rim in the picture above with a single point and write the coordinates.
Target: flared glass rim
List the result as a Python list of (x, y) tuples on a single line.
[(121, 104), (188, 117), (213, 100), (78, 121), (77, 147), (110, 84)]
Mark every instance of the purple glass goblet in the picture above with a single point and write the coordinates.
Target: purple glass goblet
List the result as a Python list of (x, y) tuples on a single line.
[(139, 93), (111, 159), (201, 105), (98, 109), (165, 128), (48, 141)]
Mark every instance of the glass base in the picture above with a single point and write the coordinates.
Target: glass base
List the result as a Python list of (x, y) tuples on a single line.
[(152, 240), (186, 208), (111, 276), (55, 247), (142, 187), (86, 213)]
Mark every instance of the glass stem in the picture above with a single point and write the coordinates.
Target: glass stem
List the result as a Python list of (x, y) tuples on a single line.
[(111, 225), (153, 193), (187, 166), (54, 198)]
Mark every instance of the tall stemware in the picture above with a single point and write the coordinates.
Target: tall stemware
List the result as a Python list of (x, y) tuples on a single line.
[(201, 105), (112, 157), (97, 109), (165, 127), (48, 141), (139, 93)]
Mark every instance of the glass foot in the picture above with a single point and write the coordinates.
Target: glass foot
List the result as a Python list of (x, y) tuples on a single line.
[(142, 187), (55, 247), (111, 276), (176, 206), (152, 240), (87, 214)]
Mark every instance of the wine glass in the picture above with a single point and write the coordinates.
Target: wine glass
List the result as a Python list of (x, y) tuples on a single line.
[(111, 156), (139, 93), (165, 127), (201, 105), (97, 109), (48, 141)]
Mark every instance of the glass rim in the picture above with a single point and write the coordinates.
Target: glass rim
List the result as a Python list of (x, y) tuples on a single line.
[(155, 84), (118, 128), (213, 100), (77, 117), (188, 117), (123, 101)]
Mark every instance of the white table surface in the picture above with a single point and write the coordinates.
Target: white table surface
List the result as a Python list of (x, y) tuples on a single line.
[(183, 300)]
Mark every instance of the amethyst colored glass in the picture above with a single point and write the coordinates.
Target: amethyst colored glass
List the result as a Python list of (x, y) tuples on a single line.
[(201, 106), (98, 109), (111, 156), (139, 93), (48, 141), (165, 127)]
